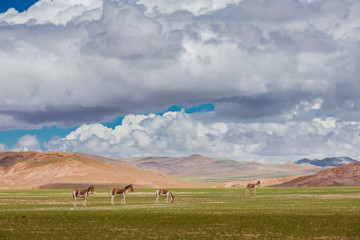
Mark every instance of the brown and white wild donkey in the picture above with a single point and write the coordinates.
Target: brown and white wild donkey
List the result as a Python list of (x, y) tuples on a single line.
[(82, 193), (121, 192), (252, 185), (164, 193)]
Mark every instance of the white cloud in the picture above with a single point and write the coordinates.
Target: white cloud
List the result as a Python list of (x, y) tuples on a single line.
[(327, 123), (195, 7), (27, 143), (125, 32), (56, 12), (178, 133), (3, 147)]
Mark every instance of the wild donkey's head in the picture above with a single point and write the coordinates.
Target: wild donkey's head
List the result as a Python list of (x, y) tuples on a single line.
[(91, 189)]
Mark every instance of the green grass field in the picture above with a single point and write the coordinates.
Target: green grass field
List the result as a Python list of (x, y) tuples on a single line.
[(275, 213)]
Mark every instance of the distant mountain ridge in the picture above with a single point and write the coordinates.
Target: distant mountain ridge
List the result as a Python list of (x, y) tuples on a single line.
[(36, 170), (202, 168), (327, 162)]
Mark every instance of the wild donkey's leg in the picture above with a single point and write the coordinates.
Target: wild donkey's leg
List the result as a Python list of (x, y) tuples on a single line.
[(122, 198), (85, 200), (74, 198), (112, 199)]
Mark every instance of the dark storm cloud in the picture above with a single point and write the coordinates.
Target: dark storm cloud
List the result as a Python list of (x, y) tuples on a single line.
[(259, 106), (73, 116)]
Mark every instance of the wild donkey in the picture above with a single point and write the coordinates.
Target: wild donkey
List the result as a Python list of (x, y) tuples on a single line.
[(121, 192), (82, 193), (164, 193), (252, 185)]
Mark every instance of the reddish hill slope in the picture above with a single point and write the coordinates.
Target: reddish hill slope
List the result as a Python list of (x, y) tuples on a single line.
[(34, 169), (344, 175)]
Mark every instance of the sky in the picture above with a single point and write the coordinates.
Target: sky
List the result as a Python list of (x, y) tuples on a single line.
[(266, 80)]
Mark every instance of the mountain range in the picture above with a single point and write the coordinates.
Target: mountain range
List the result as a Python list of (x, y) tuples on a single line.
[(331, 161), (68, 170), (201, 168)]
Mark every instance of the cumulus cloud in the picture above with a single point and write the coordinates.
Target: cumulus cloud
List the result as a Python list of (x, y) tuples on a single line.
[(3, 147), (124, 32), (178, 133), (27, 143), (54, 12), (195, 7)]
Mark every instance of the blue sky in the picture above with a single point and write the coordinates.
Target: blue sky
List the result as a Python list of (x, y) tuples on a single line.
[(19, 5), (271, 80)]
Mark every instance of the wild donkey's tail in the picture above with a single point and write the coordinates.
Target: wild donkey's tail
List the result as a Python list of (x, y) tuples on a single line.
[(172, 197)]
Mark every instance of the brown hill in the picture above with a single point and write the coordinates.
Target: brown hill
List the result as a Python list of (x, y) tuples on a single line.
[(34, 170), (344, 175)]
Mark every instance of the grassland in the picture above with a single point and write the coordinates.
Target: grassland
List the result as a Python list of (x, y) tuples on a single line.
[(275, 213)]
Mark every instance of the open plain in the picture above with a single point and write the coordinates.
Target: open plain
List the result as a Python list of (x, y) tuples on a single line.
[(212, 213)]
